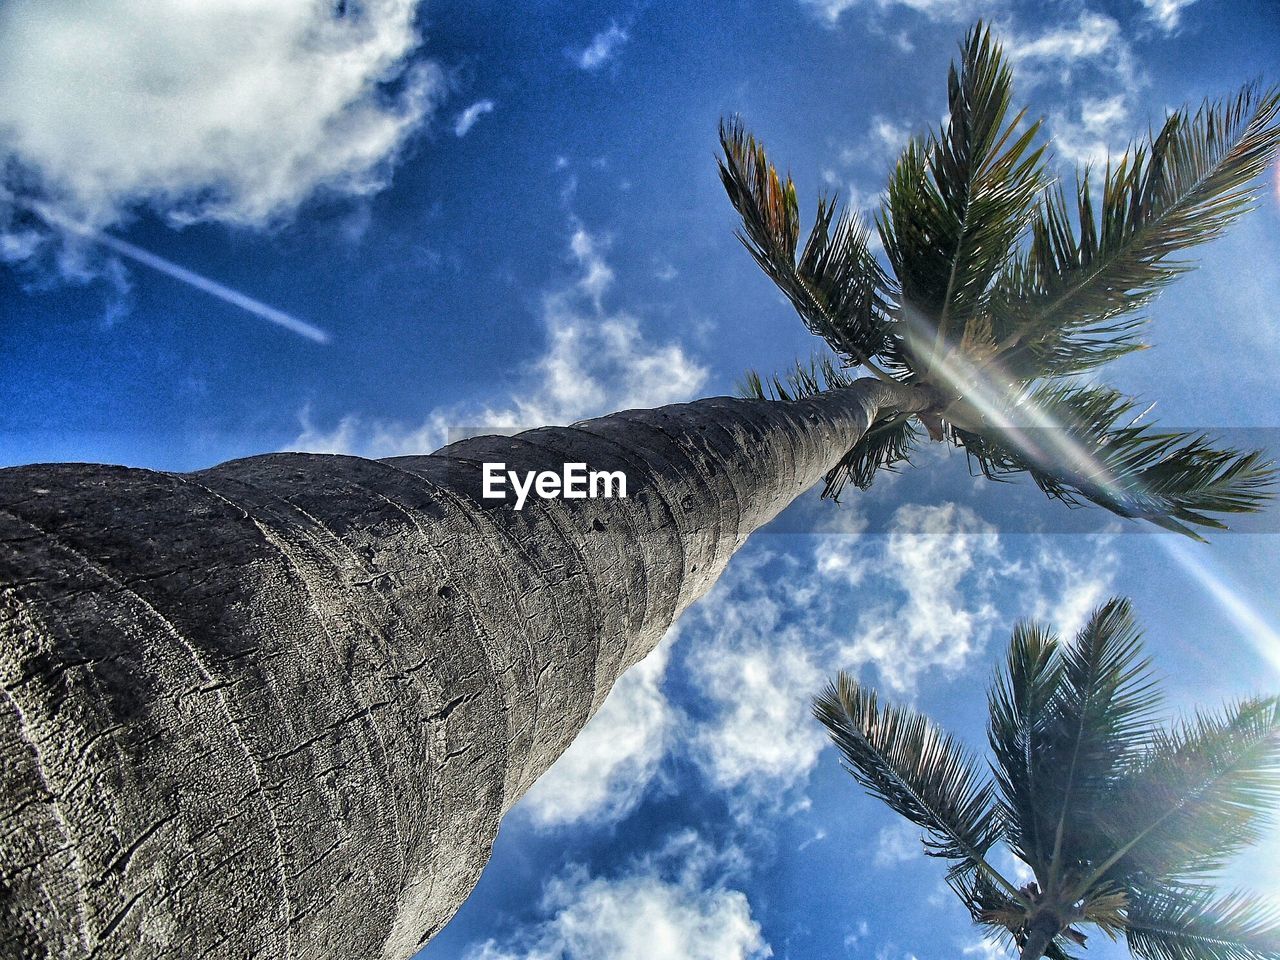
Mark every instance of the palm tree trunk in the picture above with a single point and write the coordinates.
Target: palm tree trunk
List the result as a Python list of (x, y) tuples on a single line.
[(1041, 933), (277, 708)]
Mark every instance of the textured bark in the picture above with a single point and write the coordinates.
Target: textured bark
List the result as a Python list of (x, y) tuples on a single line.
[(276, 708), (1041, 933)]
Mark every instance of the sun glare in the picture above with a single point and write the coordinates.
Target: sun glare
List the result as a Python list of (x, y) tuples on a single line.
[(983, 391)]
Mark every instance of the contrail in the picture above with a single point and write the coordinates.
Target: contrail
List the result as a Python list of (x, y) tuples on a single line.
[(171, 269)]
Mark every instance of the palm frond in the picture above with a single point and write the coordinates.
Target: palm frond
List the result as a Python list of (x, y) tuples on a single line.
[(886, 445), (1019, 707), (987, 902), (925, 775), (1058, 951), (1093, 449), (1164, 925), (1007, 918), (836, 286), (1060, 304), (957, 204), (1101, 717), (1199, 795), (820, 374), (1106, 907)]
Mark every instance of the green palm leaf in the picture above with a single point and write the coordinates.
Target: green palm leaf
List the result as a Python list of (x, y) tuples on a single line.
[(1093, 449), (1198, 796), (836, 285), (1061, 301), (1020, 704), (1118, 818), (884, 446), (923, 774), (1004, 286), (958, 202), (1100, 717), (1196, 925)]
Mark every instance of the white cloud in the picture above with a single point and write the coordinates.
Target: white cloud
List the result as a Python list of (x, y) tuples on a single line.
[(1166, 13), (202, 113), (752, 648), (986, 950), (465, 120), (1090, 54), (883, 142), (865, 161), (917, 601), (1065, 590), (762, 684), (842, 558), (603, 46), (831, 10), (646, 914), (365, 437), (857, 934), (897, 844), (778, 626), (596, 361), (1089, 37), (1100, 131), (605, 772), (1013, 868), (942, 559), (818, 836)]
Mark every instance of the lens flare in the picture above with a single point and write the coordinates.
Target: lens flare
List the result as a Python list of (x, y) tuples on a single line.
[(1248, 620), (984, 390)]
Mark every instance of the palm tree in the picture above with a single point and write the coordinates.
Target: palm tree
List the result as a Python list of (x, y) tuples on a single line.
[(1119, 820), (1002, 292), (278, 707)]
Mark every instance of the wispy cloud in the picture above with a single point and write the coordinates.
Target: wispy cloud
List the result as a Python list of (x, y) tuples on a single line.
[(596, 360), (986, 950), (925, 599), (602, 48), (942, 558), (114, 107), (467, 118), (761, 682), (1063, 590), (777, 626), (203, 116), (1090, 60), (180, 273), (670, 904), (1089, 37), (896, 844), (863, 166), (1167, 14), (830, 11), (605, 772)]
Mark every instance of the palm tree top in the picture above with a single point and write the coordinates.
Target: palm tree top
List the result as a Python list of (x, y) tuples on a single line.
[(1120, 821), (1003, 287)]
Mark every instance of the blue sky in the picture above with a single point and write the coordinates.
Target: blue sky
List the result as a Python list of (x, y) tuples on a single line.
[(486, 215)]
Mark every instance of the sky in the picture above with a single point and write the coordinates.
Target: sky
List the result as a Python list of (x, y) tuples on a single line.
[(237, 227)]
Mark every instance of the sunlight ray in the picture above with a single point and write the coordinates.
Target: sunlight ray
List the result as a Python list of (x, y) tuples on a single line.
[(1264, 637), (983, 390)]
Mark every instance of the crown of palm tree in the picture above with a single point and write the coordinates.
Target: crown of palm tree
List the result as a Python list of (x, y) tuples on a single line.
[(1120, 821), (1001, 290)]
